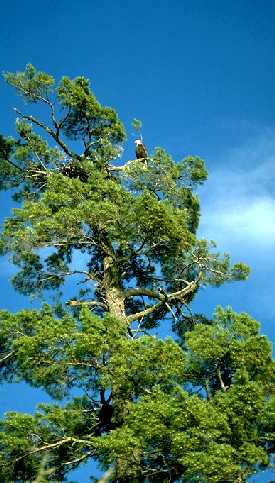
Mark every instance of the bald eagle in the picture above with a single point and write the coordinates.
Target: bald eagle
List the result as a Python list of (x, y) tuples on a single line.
[(141, 151)]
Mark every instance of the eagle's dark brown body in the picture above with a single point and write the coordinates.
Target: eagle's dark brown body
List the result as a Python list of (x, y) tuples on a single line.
[(141, 151)]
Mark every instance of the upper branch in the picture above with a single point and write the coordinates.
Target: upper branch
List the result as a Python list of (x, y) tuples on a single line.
[(53, 134)]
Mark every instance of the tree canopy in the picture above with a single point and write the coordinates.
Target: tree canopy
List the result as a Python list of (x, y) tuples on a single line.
[(196, 406)]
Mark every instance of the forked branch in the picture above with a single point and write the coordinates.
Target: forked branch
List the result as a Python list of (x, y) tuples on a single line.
[(180, 295), (53, 134)]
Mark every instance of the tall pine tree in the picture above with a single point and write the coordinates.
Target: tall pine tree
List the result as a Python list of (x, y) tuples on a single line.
[(196, 406)]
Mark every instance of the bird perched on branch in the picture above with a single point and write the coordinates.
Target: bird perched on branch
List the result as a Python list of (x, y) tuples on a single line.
[(141, 150)]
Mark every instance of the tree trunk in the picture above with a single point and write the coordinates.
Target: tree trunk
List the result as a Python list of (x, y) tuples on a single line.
[(114, 295)]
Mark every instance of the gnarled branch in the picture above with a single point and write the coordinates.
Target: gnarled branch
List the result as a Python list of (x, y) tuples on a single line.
[(172, 297), (135, 292)]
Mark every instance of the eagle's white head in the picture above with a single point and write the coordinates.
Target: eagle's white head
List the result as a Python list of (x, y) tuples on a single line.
[(138, 141)]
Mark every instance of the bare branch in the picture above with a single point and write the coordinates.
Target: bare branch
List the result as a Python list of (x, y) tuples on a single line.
[(50, 446), (174, 296), (86, 303), (190, 313), (108, 475), (145, 312), (88, 275), (81, 458), (172, 311), (135, 292), (38, 158), (50, 104), (61, 243), (223, 386), (7, 356), (180, 294), (126, 165)]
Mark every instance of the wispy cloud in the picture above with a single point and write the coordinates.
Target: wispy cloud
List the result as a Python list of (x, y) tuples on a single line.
[(238, 201), (238, 212)]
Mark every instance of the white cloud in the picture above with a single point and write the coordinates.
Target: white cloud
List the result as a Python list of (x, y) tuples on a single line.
[(238, 212), (238, 201)]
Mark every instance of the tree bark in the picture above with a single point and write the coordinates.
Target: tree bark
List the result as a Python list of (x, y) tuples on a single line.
[(114, 294)]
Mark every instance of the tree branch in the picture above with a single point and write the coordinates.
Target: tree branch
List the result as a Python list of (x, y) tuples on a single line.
[(88, 275), (86, 303), (93, 363), (61, 243), (49, 446), (145, 312), (50, 104), (125, 166), (53, 134), (223, 386), (81, 458), (180, 294), (7, 356), (135, 292), (107, 477), (174, 296), (15, 165), (38, 157)]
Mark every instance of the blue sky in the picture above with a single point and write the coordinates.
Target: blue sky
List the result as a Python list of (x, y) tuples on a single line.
[(200, 75)]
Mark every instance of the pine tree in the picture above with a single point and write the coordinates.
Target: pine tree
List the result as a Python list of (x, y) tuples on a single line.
[(195, 406)]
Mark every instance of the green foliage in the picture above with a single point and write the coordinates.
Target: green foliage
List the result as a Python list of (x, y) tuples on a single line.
[(136, 125), (197, 406), (86, 119), (31, 84)]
